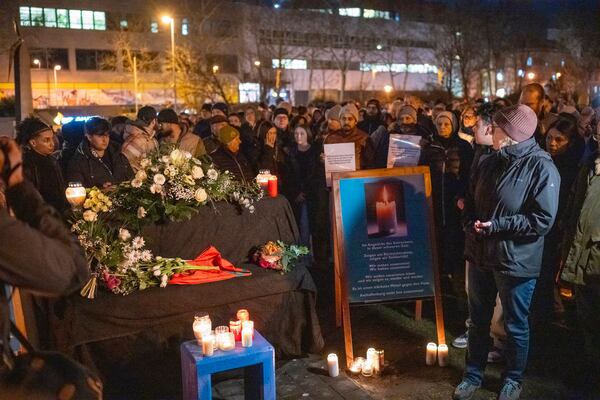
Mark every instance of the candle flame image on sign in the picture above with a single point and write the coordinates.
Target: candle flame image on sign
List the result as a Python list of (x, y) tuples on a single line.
[(386, 216)]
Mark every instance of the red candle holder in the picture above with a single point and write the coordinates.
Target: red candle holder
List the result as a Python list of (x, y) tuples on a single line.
[(243, 315), (272, 186), (236, 328)]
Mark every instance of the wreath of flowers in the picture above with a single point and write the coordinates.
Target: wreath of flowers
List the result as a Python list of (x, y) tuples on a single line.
[(170, 184)]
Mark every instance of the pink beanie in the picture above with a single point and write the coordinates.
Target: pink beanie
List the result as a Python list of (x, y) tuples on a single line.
[(518, 121)]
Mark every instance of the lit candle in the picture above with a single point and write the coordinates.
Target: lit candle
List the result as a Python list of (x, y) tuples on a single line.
[(243, 315), (249, 325), (381, 359), (220, 331), (357, 365), (208, 345), (236, 328), (442, 355), (386, 214), (263, 179), (227, 341), (272, 186), (332, 365), (247, 337), (367, 369), (75, 194), (431, 354), (373, 358), (202, 325)]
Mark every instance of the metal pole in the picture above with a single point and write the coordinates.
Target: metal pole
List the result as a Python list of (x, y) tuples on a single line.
[(55, 88), (173, 59), (135, 84)]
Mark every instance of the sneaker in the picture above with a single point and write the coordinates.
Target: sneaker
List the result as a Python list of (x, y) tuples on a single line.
[(495, 356), (465, 390), (461, 341), (510, 391)]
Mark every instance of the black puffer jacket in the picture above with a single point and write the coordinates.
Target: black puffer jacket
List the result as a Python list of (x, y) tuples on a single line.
[(92, 171), (237, 164), (517, 190), (46, 175)]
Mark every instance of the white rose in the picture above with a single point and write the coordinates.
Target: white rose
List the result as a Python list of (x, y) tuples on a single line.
[(177, 157), (156, 188), (165, 159), (212, 174), (159, 179), (141, 212), (90, 216), (141, 175), (197, 172), (163, 280), (124, 234), (200, 195), (157, 272), (136, 183)]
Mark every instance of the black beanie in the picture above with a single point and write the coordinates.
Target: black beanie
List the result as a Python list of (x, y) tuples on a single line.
[(279, 111), (221, 106), (206, 107), (29, 129)]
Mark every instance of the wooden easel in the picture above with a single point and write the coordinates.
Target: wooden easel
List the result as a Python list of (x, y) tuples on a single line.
[(342, 303)]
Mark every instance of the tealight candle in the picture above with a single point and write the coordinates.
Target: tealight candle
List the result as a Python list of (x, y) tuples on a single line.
[(247, 337), (236, 328), (227, 341), (333, 365), (431, 354), (243, 315), (208, 345), (442, 355)]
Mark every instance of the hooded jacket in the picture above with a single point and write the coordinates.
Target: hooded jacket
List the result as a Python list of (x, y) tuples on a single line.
[(92, 171), (138, 141), (46, 175), (516, 190)]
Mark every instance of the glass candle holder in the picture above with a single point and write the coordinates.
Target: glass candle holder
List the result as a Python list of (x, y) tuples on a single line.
[(332, 365), (263, 179), (431, 354), (208, 345), (249, 325), (75, 194), (247, 337), (236, 328), (219, 332), (442, 353), (202, 325), (243, 315), (227, 341), (367, 369)]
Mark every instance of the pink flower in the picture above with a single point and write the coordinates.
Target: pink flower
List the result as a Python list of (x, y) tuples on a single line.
[(264, 264), (112, 282)]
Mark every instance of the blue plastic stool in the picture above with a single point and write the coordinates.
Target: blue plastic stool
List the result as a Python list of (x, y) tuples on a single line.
[(258, 362)]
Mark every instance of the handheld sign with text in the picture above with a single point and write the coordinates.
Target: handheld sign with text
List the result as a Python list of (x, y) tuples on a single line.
[(403, 151), (339, 157), (384, 240)]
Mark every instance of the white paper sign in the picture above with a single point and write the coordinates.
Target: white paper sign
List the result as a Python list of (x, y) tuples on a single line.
[(339, 157), (403, 151)]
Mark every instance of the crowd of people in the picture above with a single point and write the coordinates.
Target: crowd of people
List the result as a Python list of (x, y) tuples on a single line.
[(514, 193)]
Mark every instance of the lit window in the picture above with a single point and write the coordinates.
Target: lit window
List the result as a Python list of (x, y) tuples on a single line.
[(400, 68), (184, 27), (99, 20), (368, 13), (24, 16), (249, 92), (75, 19), (62, 18), (87, 19), (154, 27), (50, 17), (123, 24), (562, 63), (350, 12), (37, 16), (529, 61), (287, 63)]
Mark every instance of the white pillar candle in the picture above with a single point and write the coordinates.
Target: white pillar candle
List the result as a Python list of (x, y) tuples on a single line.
[(332, 365), (227, 341), (431, 354), (247, 337), (373, 358), (442, 355), (208, 347)]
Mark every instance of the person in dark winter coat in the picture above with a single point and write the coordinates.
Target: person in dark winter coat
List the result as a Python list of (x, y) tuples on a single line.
[(516, 201), (96, 162), (39, 165), (272, 154), (228, 156), (73, 133), (281, 120), (373, 119), (581, 268)]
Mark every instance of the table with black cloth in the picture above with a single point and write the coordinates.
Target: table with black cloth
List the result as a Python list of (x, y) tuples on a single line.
[(133, 341)]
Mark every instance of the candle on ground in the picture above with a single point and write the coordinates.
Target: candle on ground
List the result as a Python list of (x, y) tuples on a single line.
[(386, 214), (208, 345), (367, 369), (357, 365), (247, 337), (431, 354), (332, 365), (442, 355), (373, 358)]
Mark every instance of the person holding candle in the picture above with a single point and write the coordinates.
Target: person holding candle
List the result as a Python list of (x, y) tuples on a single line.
[(97, 162), (516, 201), (228, 156)]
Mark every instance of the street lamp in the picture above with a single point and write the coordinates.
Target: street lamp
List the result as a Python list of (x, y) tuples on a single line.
[(169, 20), (37, 63), (56, 69), (387, 89), (531, 76), (558, 75), (215, 69), (257, 63)]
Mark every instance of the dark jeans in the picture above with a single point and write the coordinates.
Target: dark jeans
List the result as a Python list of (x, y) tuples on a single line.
[(588, 313), (515, 296)]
